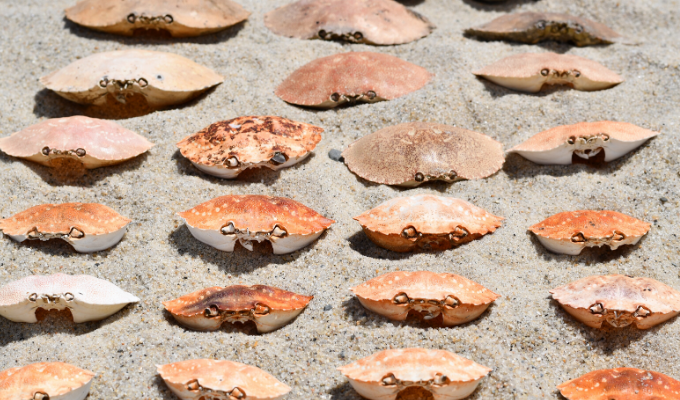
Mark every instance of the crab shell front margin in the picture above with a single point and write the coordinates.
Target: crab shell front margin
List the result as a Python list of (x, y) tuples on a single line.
[(81, 241), (228, 172), (410, 239), (445, 390), (643, 318), (578, 242)]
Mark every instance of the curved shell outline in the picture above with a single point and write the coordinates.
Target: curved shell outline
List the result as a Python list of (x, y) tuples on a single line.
[(45, 380), (621, 384)]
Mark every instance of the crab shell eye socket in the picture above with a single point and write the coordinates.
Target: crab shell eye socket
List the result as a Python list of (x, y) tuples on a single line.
[(193, 385), (440, 379), (370, 94), (641, 312), (389, 380), (604, 137), (278, 158), (358, 36), (76, 233), (577, 73), (578, 238), (131, 18), (618, 236), (597, 308), (46, 151), (322, 34), (237, 393), (545, 72), (232, 162), (229, 229), (80, 152), (419, 177), (571, 140), (409, 233), (41, 396), (335, 97), (212, 311), (261, 309), (168, 19), (451, 301), (401, 298)]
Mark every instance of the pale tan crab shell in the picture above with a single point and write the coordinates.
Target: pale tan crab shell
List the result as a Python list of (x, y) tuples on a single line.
[(426, 222), (457, 299), (181, 18), (381, 22), (227, 148), (88, 298), (268, 307), (383, 375), (619, 300), (529, 72), (621, 384), (88, 227), (93, 142), (163, 79), (569, 232), (411, 153), (352, 77), (285, 223), (45, 380)]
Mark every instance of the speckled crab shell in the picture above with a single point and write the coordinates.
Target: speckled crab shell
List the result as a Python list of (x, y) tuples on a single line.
[(530, 72), (619, 300), (44, 381), (88, 298), (621, 384), (352, 77), (382, 22), (181, 18), (227, 148), (383, 375), (457, 299), (285, 223), (570, 232), (426, 222), (411, 153), (88, 227), (269, 307), (93, 142), (163, 79)]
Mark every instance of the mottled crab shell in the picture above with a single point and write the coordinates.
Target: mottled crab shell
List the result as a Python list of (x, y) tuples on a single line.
[(534, 27), (457, 299), (411, 153), (88, 227), (285, 223), (181, 18), (383, 375), (45, 381), (569, 232), (227, 148), (426, 222), (94, 142), (621, 384), (352, 77), (585, 140), (529, 72), (382, 22), (269, 307), (163, 79), (619, 300)]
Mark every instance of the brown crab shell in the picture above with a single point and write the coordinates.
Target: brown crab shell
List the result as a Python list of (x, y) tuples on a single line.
[(48, 380), (569, 232), (530, 72), (181, 18), (227, 148), (88, 227), (411, 153), (163, 79), (381, 22), (383, 375), (621, 384), (348, 77), (534, 27), (269, 307), (93, 142), (426, 292)]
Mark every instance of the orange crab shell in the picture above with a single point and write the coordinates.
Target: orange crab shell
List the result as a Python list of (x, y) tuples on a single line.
[(621, 384), (54, 379)]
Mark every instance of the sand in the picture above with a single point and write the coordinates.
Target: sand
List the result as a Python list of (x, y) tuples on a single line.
[(531, 344)]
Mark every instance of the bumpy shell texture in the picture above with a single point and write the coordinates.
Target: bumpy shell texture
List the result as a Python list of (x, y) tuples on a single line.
[(352, 77), (411, 153), (94, 142), (227, 148), (381, 22), (529, 72), (53, 380), (621, 384), (163, 79)]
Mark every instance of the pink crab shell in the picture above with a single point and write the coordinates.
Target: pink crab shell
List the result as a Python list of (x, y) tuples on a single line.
[(383, 375), (621, 384), (53, 380)]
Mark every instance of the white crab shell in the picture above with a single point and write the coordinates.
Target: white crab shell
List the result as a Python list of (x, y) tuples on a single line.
[(45, 380)]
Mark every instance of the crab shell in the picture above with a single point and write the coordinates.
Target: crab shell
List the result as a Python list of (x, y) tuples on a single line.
[(181, 18), (570, 232), (269, 307), (383, 375), (621, 384), (411, 153), (88, 298), (93, 142), (352, 77), (227, 148), (163, 79), (285, 223), (45, 380), (88, 227), (457, 299), (382, 22), (529, 72)]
